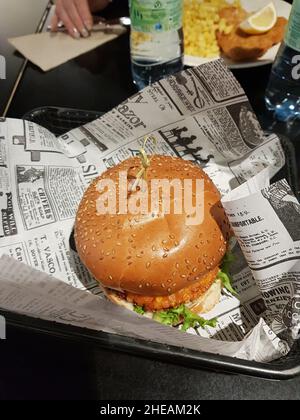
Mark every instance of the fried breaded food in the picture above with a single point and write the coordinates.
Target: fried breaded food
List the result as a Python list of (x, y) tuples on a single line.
[(187, 294), (233, 15), (240, 46)]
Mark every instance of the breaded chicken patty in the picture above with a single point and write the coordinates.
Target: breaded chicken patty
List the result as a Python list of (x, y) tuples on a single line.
[(185, 295), (240, 46)]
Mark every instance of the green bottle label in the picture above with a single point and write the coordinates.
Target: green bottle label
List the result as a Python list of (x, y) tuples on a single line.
[(153, 16), (292, 36)]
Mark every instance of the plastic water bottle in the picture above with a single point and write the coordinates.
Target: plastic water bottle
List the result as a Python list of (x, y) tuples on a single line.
[(156, 39), (283, 91)]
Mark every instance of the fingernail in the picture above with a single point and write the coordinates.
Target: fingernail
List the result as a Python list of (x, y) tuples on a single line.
[(76, 34), (88, 25), (85, 33)]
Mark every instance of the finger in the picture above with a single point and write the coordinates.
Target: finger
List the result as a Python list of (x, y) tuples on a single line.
[(76, 18), (69, 24), (54, 23), (55, 18), (85, 13)]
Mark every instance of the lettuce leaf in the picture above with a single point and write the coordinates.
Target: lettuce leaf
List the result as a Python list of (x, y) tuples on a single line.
[(138, 309), (224, 274), (183, 315)]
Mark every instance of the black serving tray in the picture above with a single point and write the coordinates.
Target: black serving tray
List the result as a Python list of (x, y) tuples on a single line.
[(60, 120)]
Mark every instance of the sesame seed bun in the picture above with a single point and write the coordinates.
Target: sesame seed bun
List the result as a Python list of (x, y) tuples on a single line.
[(151, 255)]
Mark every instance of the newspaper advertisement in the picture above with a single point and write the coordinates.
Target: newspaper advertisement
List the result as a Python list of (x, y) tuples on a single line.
[(202, 115)]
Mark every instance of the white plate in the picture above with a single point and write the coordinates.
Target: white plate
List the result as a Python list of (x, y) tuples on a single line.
[(283, 9)]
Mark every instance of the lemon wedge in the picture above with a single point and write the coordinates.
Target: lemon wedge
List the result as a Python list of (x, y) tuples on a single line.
[(261, 21)]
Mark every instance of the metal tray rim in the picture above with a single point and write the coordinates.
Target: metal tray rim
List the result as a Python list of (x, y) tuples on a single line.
[(151, 349)]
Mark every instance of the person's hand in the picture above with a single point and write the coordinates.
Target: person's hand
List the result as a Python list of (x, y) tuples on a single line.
[(76, 15)]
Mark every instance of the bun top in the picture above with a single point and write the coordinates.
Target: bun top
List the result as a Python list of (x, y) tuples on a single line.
[(151, 254)]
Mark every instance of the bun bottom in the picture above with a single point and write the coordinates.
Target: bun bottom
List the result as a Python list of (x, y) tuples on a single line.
[(202, 305)]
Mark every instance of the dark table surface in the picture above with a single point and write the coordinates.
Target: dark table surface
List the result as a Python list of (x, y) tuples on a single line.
[(39, 366), (16, 21)]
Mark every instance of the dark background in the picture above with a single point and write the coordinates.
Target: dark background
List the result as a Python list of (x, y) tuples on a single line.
[(39, 366)]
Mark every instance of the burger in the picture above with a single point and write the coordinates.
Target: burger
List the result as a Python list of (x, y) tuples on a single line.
[(155, 262)]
